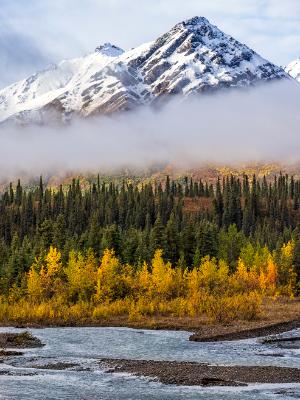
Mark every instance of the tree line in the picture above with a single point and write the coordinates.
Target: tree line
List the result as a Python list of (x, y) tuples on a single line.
[(186, 219)]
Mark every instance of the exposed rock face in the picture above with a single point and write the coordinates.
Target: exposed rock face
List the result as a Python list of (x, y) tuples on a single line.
[(193, 57)]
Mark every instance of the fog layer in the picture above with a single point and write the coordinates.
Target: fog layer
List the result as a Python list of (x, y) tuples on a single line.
[(254, 125)]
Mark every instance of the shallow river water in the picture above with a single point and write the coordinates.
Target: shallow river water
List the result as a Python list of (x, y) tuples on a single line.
[(88, 381)]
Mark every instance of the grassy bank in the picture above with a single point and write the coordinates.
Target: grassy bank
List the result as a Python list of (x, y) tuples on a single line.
[(276, 316)]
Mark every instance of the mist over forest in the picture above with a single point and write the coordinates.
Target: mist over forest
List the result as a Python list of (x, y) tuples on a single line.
[(246, 125)]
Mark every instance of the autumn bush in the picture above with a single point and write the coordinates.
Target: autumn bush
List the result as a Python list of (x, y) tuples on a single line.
[(83, 289)]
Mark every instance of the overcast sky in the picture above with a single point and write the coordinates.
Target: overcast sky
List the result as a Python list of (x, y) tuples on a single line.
[(36, 33)]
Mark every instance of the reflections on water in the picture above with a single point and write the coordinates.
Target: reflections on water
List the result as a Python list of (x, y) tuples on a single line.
[(81, 348)]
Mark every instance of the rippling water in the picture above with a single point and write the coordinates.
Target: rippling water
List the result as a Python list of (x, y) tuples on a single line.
[(87, 380)]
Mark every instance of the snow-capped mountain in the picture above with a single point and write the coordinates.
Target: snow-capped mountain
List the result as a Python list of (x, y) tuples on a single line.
[(193, 57), (293, 69)]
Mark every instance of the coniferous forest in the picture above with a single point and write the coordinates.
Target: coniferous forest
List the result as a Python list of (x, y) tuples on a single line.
[(179, 247)]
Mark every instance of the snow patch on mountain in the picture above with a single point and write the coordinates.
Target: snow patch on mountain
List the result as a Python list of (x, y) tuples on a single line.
[(293, 69)]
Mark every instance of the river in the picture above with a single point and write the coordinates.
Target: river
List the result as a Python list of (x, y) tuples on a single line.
[(82, 348)]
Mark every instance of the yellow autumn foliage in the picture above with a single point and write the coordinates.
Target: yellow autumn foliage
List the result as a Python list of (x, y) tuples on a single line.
[(85, 289)]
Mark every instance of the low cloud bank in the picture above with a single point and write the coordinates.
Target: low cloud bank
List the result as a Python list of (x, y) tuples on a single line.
[(253, 125)]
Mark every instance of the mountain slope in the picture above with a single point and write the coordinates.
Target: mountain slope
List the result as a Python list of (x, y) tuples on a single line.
[(193, 57), (293, 69), (45, 90)]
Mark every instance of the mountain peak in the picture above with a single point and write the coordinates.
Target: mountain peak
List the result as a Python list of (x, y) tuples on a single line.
[(197, 26), (194, 22), (192, 58), (109, 49)]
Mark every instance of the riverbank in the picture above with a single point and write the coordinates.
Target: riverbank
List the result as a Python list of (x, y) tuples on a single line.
[(277, 316), (228, 333), (195, 374)]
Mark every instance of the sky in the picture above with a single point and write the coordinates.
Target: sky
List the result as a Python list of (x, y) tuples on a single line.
[(37, 33)]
